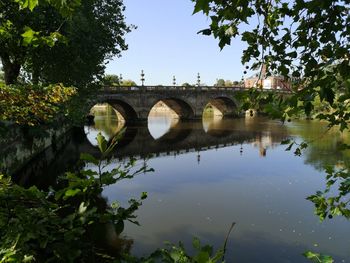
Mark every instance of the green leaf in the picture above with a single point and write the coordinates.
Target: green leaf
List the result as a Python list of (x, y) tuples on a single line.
[(143, 195), (28, 35), (102, 142), (318, 258), (202, 5), (202, 257), (196, 243), (285, 142), (82, 208), (71, 192), (32, 4), (290, 147), (28, 258), (119, 226), (206, 32), (88, 158)]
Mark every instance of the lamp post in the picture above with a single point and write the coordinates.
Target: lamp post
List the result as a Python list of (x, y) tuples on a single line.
[(120, 79), (174, 81), (198, 80), (142, 77)]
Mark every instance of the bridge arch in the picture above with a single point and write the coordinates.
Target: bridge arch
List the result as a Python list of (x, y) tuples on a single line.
[(127, 111), (181, 107), (226, 106)]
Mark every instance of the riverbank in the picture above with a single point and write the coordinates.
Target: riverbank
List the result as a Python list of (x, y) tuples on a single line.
[(19, 145)]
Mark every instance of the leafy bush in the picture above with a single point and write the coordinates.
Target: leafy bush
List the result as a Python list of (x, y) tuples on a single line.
[(32, 105)]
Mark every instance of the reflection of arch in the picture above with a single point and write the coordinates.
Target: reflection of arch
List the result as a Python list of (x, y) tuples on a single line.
[(219, 133), (125, 110), (216, 127), (106, 120), (225, 105), (177, 133), (179, 106), (88, 146)]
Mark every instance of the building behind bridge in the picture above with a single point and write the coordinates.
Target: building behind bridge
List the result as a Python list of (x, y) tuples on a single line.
[(267, 82)]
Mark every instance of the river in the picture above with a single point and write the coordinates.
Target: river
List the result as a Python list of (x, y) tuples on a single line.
[(211, 173)]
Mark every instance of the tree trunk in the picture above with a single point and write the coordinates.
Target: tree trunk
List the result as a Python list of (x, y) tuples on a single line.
[(11, 69)]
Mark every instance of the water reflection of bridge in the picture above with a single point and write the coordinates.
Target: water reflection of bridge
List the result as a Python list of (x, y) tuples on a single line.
[(137, 141), (189, 137)]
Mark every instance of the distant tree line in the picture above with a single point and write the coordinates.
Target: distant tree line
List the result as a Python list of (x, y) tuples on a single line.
[(227, 83), (113, 81)]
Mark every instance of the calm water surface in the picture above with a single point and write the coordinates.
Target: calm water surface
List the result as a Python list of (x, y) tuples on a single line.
[(211, 173)]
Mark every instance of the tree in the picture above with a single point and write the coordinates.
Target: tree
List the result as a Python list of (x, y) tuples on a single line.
[(110, 80), (308, 40), (2, 77), (186, 84), (94, 35), (220, 83), (79, 44), (128, 82), (223, 83), (17, 37), (228, 83)]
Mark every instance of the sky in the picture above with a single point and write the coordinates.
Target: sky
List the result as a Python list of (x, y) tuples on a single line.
[(166, 44)]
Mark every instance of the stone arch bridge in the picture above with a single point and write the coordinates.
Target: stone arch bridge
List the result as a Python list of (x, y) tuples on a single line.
[(134, 103)]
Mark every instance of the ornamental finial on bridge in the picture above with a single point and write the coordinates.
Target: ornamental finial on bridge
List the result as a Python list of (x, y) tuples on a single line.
[(174, 81), (142, 77), (198, 80)]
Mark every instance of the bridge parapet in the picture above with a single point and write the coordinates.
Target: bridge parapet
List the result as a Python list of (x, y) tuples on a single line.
[(169, 88), (111, 89)]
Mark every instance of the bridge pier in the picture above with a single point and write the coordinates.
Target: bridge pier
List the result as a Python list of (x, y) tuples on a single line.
[(251, 113), (193, 118), (137, 121)]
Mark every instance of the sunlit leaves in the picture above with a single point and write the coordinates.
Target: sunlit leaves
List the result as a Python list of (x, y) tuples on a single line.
[(35, 39), (318, 258), (336, 204), (28, 35), (30, 105), (102, 142), (178, 253), (5, 29), (64, 7), (31, 4)]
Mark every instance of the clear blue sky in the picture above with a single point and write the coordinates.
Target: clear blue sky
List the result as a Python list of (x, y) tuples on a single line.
[(166, 43)]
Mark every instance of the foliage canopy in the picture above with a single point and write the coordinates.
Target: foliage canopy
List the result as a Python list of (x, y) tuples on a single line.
[(60, 41), (307, 41)]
